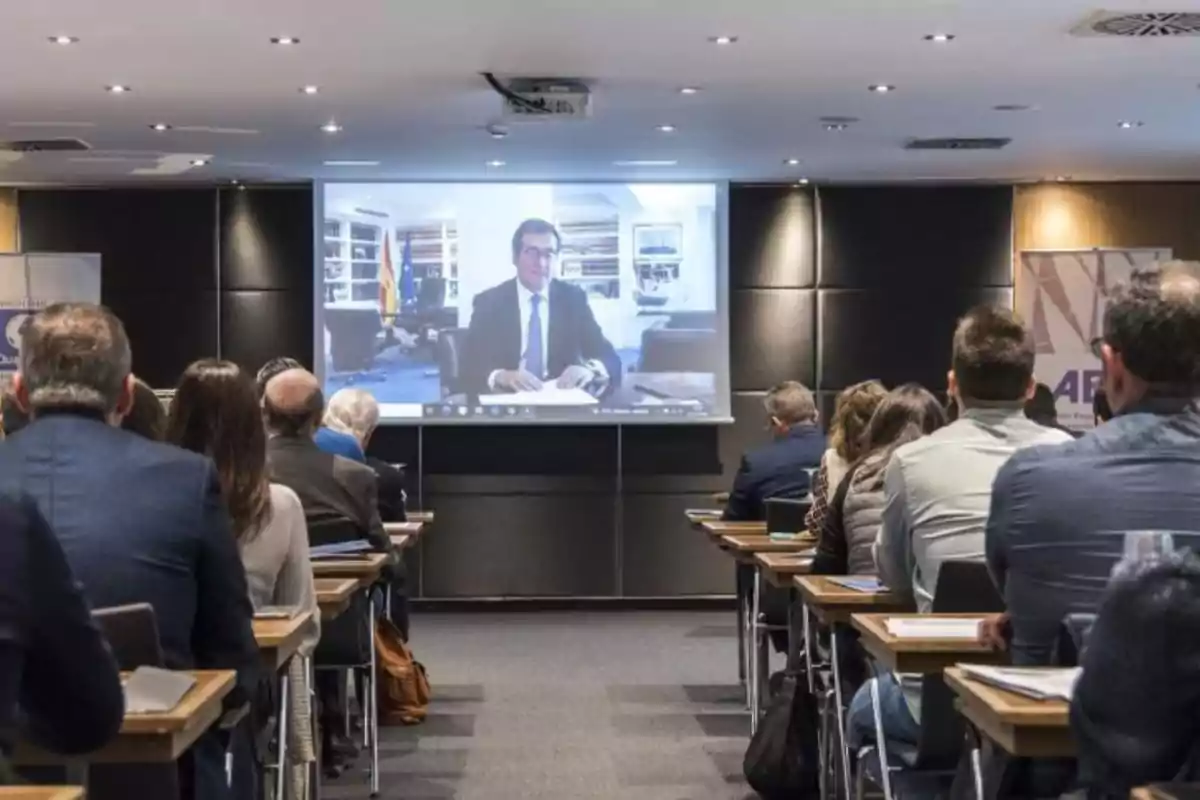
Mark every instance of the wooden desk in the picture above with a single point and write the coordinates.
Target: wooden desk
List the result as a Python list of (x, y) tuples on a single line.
[(333, 596), (717, 528), (40, 793), (410, 528), (744, 547), (695, 516), (830, 602), (279, 639), (1145, 793), (721, 497), (153, 738), (403, 541), (365, 570), (420, 516), (924, 656), (780, 568), (1020, 725)]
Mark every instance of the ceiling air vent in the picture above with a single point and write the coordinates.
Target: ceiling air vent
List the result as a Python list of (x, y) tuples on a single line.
[(1148, 24), (977, 143), (44, 146)]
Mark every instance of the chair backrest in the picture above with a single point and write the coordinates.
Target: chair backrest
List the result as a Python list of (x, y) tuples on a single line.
[(677, 350), (448, 353), (333, 531), (786, 515), (132, 632), (432, 293), (965, 587)]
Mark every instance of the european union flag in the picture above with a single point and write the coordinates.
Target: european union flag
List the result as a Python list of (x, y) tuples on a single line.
[(408, 291)]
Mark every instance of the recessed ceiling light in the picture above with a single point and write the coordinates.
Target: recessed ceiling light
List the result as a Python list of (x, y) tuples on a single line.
[(284, 40), (836, 126), (351, 163), (199, 162), (1062, 178), (160, 127), (498, 133), (802, 182), (792, 162), (939, 37), (645, 162), (723, 39), (881, 88), (117, 88), (495, 163), (666, 128), (331, 127), (64, 39), (1012, 107), (1126, 124), (689, 90), (836, 119), (310, 89)]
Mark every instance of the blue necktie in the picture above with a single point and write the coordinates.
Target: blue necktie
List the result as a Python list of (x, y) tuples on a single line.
[(534, 360)]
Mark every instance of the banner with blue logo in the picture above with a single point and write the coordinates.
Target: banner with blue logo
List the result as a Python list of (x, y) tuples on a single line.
[(32, 281)]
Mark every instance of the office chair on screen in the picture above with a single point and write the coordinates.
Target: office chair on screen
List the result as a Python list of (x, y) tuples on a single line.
[(449, 348)]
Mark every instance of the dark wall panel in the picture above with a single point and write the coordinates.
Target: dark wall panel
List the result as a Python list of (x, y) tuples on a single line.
[(903, 236), (771, 337), (662, 555), (167, 330), (257, 326), (558, 450), (772, 237), (267, 239), (872, 334)]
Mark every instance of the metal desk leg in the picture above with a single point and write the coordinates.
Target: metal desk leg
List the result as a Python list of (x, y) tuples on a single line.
[(806, 618), (840, 709), (281, 768), (314, 779), (795, 633), (741, 624), (372, 716), (755, 666)]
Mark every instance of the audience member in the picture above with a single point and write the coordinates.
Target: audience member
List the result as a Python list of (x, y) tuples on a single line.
[(146, 416), (784, 467), (937, 489), (906, 414), (1101, 410), (139, 521), (1040, 408), (1135, 708), (851, 413), (1059, 514), (330, 441), (54, 664), (216, 413), (356, 413)]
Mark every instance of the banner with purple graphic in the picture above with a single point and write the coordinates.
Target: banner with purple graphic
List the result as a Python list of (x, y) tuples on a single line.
[(31, 281), (1061, 295)]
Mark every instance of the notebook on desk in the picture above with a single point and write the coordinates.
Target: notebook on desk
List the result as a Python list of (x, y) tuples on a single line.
[(150, 690), (864, 584), (1039, 683), (275, 612), (353, 549), (934, 627)]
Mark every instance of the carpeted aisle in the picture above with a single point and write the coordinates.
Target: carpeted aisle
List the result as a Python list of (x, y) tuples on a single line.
[(580, 705)]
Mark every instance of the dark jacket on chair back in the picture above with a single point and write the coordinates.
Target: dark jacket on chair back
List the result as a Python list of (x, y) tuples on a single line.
[(783, 468)]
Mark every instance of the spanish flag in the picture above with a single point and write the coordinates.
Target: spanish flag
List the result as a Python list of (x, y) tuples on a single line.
[(387, 281)]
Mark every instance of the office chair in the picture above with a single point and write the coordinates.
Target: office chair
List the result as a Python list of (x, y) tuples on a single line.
[(963, 587), (677, 350), (448, 352), (786, 515), (333, 530)]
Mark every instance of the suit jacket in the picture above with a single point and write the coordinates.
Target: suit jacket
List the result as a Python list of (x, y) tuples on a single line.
[(782, 468), (331, 488), (391, 490), (493, 339)]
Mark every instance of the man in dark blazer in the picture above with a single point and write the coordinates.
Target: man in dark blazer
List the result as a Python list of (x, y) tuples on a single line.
[(783, 468), (139, 521), (533, 328)]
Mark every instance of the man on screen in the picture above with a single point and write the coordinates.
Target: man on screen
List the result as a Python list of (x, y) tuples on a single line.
[(534, 329)]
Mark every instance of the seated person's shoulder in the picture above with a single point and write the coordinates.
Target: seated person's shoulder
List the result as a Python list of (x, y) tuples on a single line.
[(284, 500), (350, 469)]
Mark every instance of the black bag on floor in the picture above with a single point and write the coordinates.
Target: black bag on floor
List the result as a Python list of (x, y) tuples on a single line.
[(781, 761)]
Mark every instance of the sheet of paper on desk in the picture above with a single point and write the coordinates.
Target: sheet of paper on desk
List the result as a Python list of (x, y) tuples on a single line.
[(868, 584), (1040, 683), (548, 395), (340, 548), (275, 612), (150, 690), (934, 628), (704, 513)]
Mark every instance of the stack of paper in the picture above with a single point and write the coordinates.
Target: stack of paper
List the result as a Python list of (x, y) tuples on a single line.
[(150, 690), (865, 584), (548, 395), (704, 513), (275, 612), (934, 627), (1040, 683), (349, 548)]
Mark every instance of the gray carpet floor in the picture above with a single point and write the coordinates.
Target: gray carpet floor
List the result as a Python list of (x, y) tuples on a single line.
[(637, 705)]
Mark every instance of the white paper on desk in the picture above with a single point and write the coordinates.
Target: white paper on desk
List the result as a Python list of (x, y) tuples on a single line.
[(934, 628), (867, 584), (704, 513), (150, 690), (1040, 683), (548, 395)]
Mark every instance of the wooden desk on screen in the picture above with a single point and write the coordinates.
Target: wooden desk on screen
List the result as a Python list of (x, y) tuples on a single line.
[(153, 738), (924, 656), (833, 603), (1020, 725), (41, 793), (279, 639), (365, 570), (333, 595)]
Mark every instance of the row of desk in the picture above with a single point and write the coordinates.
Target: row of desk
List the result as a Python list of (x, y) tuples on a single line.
[(164, 737)]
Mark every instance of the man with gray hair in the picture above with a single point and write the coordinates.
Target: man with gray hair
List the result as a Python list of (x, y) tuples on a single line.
[(139, 521), (355, 412)]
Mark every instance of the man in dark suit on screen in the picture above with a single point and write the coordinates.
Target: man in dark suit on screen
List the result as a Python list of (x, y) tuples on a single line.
[(533, 329)]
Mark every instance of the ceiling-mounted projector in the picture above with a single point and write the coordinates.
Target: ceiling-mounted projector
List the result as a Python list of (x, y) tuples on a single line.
[(542, 98)]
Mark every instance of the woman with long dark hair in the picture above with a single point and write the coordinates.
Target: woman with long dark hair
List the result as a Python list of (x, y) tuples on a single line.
[(856, 511), (216, 412)]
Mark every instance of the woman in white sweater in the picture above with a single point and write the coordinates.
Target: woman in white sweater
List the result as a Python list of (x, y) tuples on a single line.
[(216, 412)]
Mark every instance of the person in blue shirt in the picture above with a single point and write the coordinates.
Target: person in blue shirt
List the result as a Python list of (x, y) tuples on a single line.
[(328, 440)]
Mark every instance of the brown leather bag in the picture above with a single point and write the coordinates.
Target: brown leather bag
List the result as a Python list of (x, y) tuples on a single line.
[(403, 691)]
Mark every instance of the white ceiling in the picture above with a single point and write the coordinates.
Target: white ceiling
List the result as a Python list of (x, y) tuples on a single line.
[(402, 77)]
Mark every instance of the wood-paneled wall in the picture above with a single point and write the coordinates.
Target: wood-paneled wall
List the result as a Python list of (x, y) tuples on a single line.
[(8, 220)]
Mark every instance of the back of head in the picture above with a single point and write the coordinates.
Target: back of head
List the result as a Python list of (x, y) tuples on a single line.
[(993, 357), (1152, 321), (272, 368), (851, 414), (293, 404), (216, 413), (905, 415), (790, 403), (352, 411), (1040, 407), (74, 355), (146, 417)]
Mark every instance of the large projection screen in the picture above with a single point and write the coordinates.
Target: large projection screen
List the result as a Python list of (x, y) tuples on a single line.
[(459, 303)]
